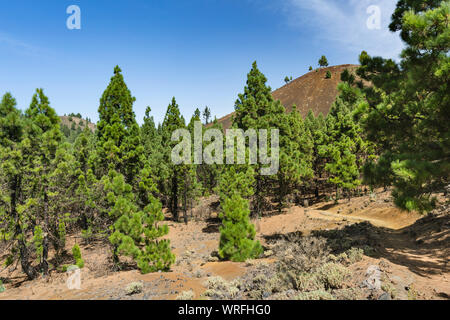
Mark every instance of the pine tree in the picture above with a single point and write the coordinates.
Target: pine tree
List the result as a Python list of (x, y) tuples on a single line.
[(407, 113), (317, 131), (86, 185), (209, 174), (173, 120), (237, 234), (256, 109), (296, 150), (191, 188), (135, 232), (119, 144), (154, 151), (236, 179), (32, 167), (62, 204), (43, 130), (13, 222), (207, 115), (323, 62), (344, 148)]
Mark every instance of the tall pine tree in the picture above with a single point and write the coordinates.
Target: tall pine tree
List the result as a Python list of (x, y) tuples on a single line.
[(119, 144), (173, 120), (407, 114)]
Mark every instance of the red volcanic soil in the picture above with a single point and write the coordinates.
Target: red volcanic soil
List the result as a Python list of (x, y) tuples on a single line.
[(311, 91)]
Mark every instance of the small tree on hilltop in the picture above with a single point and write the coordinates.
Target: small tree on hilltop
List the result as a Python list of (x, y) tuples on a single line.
[(207, 115), (323, 62), (237, 233)]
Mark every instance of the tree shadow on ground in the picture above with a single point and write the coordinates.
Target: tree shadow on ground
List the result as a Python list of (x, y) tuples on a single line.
[(280, 237), (213, 225), (328, 206), (422, 247)]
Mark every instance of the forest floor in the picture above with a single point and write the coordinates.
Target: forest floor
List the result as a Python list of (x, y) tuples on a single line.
[(410, 251)]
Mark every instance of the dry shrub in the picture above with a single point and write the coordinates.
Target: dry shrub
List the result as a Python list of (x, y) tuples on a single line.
[(186, 295), (134, 288), (220, 289), (333, 275), (302, 255), (262, 281), (349, 294), (304, 270), (309, 282), (355, 255), (315, 295)]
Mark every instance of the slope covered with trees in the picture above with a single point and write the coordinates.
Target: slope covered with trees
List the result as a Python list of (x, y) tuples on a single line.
[(382, 124)]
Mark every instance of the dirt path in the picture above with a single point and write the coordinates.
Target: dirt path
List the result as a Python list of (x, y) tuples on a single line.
[(339, 217)]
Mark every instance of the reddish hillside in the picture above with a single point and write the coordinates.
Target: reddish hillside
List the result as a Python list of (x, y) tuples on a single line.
[(310, 91), (68, 121)]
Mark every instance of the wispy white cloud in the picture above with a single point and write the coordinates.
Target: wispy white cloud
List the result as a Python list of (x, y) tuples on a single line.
[(18, 46), (345, 23)]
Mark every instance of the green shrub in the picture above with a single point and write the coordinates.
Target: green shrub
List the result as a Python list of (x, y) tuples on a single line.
[(237, 234), (76, 252), (328, 75)]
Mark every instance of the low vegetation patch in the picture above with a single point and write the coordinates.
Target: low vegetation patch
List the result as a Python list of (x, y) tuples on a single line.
[(304, 269)]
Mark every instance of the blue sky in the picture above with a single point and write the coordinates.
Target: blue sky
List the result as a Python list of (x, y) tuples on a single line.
[(198, 51)]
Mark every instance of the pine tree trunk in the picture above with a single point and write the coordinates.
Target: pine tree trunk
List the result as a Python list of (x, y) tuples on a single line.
[(185, 199), (27, 268), (23, 250), (175, 197), (45, 243), (84, 222), (280, 193), (316, 191), (115, 258), (258, 197)]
